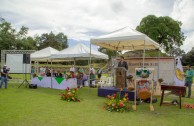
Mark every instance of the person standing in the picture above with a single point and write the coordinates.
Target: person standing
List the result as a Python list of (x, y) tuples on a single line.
[(122, 80), (189, 79), (123, 63), (92, 69), (32, 72), (4, 73), (99, 72), (72, 68)]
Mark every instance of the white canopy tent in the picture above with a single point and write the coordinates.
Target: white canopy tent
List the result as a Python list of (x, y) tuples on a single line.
[(125, 39), (79, 51), (44, 54)]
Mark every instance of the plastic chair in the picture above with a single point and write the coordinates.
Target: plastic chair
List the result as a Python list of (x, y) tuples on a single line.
[(102, 81), (109, 81)]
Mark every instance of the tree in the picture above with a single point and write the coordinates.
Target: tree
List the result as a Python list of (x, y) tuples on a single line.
[(148, 53), (58, 41), (109, 52), (7, 35), (176, 51), (10, 39), (188, 58), (164, 30)]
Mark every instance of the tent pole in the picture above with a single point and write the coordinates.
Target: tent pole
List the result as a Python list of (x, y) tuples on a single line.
[(159, 61), (51, 74), (144, 54), (38, 67), (89, 69)]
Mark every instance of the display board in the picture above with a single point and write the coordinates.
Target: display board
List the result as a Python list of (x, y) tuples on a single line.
[(16, 65)]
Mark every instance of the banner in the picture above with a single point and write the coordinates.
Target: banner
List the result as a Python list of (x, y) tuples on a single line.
[(179, 74), (40, 78), (59, 80)]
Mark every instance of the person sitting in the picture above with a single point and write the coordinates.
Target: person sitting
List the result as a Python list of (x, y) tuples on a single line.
[(53, 73), (48, 73), (79, 78), (72, 75), (92, 78), (85, 78), (59, 74)]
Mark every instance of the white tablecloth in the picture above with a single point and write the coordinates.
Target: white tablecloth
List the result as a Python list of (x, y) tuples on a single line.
[(57, 83)]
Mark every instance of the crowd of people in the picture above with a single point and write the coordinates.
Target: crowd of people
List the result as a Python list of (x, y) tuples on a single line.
[(78, 73)]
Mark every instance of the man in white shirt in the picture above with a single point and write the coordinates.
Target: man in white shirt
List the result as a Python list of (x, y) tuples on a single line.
[(72, 68), (92, 69)]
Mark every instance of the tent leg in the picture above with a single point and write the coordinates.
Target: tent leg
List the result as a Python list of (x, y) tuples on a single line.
[(89, 70), (159, 62), (51, 74), (144, 54)]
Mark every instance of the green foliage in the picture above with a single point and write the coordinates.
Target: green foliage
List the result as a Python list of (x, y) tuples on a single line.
[(148, 53), (43, 107), (11, 39), (188, 58), (58, 41), (164, 30), (176, 51), (110, 53)]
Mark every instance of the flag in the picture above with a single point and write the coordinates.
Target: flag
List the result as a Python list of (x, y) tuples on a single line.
[(179, 74)]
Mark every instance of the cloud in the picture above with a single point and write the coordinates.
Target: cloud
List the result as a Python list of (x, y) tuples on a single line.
[(183, 11), (82, 19), (188, 43)]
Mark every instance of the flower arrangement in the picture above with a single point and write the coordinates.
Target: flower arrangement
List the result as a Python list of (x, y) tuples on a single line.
[(116, 103), (188, 106), (70, 95)]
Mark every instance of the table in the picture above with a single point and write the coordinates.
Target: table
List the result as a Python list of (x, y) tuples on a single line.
[(55, 82), (178, 90)]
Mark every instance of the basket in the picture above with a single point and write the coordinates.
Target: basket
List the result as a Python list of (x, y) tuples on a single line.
[(144, 94)]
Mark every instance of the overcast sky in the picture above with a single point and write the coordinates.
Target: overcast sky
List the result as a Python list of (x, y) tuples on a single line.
[(82, 19)]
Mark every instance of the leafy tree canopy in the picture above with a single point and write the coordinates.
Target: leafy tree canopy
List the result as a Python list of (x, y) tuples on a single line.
[(109, 52), (164, 30), (58, 41), (11, 39), (188, 58)]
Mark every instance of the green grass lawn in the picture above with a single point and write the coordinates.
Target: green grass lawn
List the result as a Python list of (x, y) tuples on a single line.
[(43, 107)]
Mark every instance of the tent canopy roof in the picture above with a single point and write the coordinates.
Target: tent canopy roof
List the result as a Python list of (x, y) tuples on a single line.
[(44, 54), (79, 51), (125, 39)]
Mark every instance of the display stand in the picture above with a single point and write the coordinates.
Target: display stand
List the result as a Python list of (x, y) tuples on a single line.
[(120, 73), (144, 85)]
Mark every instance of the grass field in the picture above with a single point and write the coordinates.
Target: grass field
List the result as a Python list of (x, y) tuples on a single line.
[(43, 107)]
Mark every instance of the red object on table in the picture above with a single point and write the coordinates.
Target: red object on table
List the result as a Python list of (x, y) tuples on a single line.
[(178, 90)]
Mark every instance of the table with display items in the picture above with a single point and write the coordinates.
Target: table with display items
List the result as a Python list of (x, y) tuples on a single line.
[(54, 82)]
